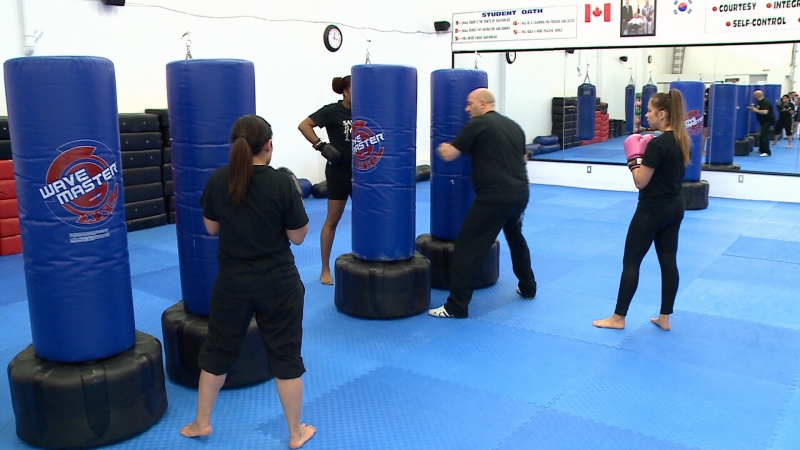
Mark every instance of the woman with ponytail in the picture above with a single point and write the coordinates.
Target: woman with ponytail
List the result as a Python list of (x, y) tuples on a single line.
[(658, 174), (337, 120), (257, 212)]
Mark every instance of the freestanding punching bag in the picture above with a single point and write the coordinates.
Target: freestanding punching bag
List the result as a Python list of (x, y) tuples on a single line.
[(648, 90), (90, 378), (743, 144), (587, 105), (630, 107), (205, 98), (695, 191), (383, 277), (452, 193), (722, 105)]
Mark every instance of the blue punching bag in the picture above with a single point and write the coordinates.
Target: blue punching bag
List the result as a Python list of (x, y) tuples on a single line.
[(742, 113), (772, 92), (384, 146), (65, 130), (587, 105), (630, 107), (205, 97), (722, 105), (694, 94), (451, 182), (648, 90)]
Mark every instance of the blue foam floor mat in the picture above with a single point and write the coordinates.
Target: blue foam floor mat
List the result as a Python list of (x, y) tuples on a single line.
[(518, 374)]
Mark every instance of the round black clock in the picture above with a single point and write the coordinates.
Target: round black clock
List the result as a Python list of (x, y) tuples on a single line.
[(332, 37)]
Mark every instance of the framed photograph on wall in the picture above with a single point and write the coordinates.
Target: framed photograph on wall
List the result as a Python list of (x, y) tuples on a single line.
[(637, 18)]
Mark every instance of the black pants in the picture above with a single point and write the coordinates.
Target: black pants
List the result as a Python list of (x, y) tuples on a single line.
[(280, 322), (763, 138), (481, 226), (647, 227)]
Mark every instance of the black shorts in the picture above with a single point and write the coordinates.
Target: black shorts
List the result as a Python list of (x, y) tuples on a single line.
[(784, 125), (340, 182), (280, 322)]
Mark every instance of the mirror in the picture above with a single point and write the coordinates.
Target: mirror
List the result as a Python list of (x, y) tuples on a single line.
[(533, 89)]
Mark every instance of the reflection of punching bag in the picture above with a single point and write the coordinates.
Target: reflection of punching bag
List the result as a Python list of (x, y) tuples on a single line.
[(648, 90), (772, 92), (722, 105), (742, 113), (694, 95), (587, 103), (630, 106)]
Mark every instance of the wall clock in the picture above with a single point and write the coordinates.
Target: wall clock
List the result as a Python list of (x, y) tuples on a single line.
[(511, 57), (332, 37)]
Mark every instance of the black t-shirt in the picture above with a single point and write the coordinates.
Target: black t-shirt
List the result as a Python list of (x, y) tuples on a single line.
[(768, 118), (663, 155), (337, 121), (496, 145), (785, 112), (254, 251)]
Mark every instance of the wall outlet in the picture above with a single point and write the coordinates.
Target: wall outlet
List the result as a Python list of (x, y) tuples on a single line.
[(741, 178), (588, 169)]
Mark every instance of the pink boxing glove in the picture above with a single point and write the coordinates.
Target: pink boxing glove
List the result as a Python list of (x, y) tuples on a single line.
[(635, 146)]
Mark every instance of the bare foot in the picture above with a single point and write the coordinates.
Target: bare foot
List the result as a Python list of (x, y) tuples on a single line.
[(306, 433), (325, 278), (662, 321), (195, 430), (616, 322)]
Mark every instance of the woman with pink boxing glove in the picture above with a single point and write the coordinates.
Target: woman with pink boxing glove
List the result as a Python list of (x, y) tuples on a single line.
[(658, 165)]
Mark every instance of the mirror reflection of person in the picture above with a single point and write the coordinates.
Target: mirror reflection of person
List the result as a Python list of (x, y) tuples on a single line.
[(796, 99), (786, 113), (766, 120)]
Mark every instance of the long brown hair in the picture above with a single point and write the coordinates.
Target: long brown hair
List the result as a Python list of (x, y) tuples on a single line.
[(339, 84), (249, 135), (673, 104)]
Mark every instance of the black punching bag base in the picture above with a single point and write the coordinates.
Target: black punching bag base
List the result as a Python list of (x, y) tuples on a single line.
[(722, 167), (185, 332), (382, 289), (88, 404), (439, 252), (695, 194)]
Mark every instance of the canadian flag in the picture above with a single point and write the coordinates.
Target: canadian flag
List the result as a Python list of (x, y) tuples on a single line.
[(594, 11)]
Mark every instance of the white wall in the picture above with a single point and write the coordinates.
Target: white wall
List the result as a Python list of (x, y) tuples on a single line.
[(293, 68)]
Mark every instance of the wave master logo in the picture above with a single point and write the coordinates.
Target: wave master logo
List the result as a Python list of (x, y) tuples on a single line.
[(367, 144), (694, 122), (81, 186)]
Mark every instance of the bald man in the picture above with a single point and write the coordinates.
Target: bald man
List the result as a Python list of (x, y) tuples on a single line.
[(496, 145), (765, 114)]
